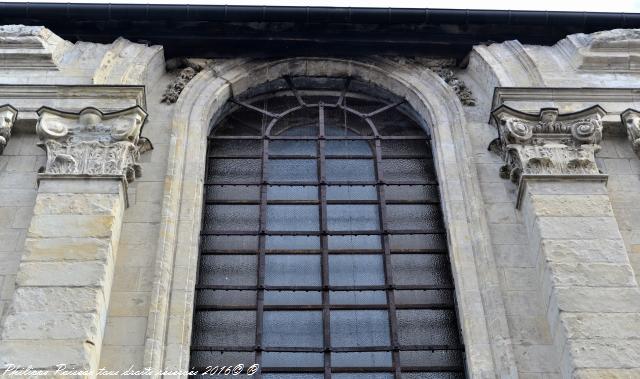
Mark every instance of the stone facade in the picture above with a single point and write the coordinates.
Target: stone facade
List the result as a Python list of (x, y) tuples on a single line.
[(537, 154)]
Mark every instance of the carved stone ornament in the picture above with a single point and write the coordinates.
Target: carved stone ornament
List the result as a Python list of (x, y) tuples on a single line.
[(547, 143), (8, 116), (631, 120), (92, 143)]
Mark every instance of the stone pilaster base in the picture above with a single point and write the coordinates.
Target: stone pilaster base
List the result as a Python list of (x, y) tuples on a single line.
[(59, 309), (591, 295)]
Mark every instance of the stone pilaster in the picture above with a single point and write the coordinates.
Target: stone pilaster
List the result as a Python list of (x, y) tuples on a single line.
[(59, 309), (8, 116), (591, 296), (631, 120)]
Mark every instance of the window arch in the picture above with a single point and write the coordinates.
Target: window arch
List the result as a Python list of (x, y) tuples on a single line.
[(323, 251)]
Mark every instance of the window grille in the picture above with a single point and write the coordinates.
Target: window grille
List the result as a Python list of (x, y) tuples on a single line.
[(323, 251)]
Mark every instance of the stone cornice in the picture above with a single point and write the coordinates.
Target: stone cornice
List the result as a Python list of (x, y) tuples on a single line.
[(547, 143), (27, 99), (631, 120), (8, 116), (92, 143)]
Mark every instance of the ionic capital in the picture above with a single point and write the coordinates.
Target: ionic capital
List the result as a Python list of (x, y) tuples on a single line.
[(92, 143), (547, 144), (631, 120), (7, 119)]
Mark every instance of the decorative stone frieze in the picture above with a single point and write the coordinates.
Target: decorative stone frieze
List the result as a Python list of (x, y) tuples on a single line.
[(8, 116), (188, 68), (92, 143), (547, 143), (631, 120)]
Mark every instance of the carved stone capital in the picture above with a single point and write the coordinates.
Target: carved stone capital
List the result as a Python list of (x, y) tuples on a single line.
[(547, 143), (92, 143), (8, 116), (631, 120)]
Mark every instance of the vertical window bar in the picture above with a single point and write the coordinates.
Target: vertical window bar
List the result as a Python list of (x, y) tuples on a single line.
[(261, 250), (324, 245), (388, 274)]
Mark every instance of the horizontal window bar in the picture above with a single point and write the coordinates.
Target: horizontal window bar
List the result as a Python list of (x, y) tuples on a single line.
[(316, 202), (314, 138), (319, 233), (333, 349), (326, 182), (319, 307), (325, 288), (318, 251)]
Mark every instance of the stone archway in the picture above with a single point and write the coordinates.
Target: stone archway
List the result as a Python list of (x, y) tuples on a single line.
[(481, 311)]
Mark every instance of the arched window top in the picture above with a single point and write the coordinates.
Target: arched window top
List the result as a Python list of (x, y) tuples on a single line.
[(296, 106)]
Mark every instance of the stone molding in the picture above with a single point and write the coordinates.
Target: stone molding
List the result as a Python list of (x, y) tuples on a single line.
[(30, 47), (631, 120), (8, 116), (92, 143), (610, 50)]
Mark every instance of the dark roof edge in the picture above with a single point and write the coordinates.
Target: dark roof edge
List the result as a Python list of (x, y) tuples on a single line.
[(241, 13)]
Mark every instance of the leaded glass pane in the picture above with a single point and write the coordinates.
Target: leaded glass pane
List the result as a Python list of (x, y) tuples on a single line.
[(309, 238)]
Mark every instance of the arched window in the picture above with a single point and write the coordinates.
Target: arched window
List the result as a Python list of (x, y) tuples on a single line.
[(323, 251)]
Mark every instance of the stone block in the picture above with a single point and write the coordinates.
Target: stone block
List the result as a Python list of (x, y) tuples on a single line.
[(597, 299), (52, 326), (577, 228), (73, 274), (606, 250), (80, 185), (66, 248), (601, 325), (571, 205), (604, 353), (71, 226), (46, 354), (127, 331), (58, 299), (591, 274), (77, 204), (607, 373)]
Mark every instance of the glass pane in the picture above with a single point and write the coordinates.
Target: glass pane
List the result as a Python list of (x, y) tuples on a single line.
[(414, 217), (348, 147), (293, 242), (362, 359), (433, 375), (281, 359), (352, 193), (228, 270), (350, 170), (350, 242), (230, 243), (369, 375), (359, 328), (392, 122), (202, 359), (427, 327), (340, 122), (419, 148), (293, 218), (292, 329), (357, 297), (408, 170), (437, 358), (421, 269), (292, 297), (292, 270), (224, 328), (435, 242), (225, 297), (223, 217), (229, 192), (292, 193), (345, 217), (356, 269), (234, 170), (287, 170), (246, 123), (444, 297), (235, 147), (293, 148), (414, 192), (302, 122)]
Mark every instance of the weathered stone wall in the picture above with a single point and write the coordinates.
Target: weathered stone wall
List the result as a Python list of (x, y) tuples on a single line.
[(502, 288)]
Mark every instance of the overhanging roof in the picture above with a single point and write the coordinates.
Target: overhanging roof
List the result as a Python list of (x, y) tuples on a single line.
[(216, 31)]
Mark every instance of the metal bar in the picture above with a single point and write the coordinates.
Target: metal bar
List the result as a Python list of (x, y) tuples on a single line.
[(327, 182), (322, 307), (324, 246), (320, 233), (335, 349), (329, 287), (333, 252), (316, 202), (293, 89), (249, 106)]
